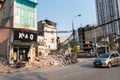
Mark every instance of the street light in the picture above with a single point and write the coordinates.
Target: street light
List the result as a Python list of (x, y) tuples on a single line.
[(73, 33), (73, 25)]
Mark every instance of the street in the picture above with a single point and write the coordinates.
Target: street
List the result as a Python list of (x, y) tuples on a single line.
[(83, 70)]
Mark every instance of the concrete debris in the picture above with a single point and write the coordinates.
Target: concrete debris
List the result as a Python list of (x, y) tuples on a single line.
[(7, 68), (48, 61), (39, 63), (4, 68)]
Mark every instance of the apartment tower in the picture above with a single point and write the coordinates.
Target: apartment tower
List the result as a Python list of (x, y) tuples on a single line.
[(107, 11)]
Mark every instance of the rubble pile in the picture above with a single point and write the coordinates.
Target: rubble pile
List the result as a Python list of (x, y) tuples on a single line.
[(48, 61), (38, 63), (4, 67), (7, 68)]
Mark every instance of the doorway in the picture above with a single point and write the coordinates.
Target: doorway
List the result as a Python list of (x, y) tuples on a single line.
[(22, 53)]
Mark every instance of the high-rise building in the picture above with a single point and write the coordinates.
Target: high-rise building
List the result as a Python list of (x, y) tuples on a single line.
[(18, 29), (107, 11)]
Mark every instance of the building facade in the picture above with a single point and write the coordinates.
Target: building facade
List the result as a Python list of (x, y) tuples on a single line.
[(107, 11), (47, 36), (18, 23), (88, 37)]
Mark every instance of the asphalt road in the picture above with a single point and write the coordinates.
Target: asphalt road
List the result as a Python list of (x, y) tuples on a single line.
[(83, 70)]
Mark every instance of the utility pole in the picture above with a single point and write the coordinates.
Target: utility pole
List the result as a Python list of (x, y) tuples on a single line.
[(74, 55), (95, 40), (73, 25)]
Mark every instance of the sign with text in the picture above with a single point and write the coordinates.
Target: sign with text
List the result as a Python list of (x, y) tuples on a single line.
[(25, 36), (87, 42)]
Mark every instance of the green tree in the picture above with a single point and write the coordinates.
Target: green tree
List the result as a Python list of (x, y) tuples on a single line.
[(73, 45)]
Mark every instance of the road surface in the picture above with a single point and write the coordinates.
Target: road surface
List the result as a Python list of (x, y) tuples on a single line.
[(83, 70)]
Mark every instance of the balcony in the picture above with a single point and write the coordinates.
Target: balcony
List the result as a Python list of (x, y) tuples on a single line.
[(27, 2)]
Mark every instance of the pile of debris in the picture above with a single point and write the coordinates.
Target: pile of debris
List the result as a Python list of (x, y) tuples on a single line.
[(38, 63), (4, 67), (48, 61)]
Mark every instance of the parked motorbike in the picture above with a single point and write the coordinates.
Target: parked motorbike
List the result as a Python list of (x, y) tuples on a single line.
[(69, 59), (19, 64)]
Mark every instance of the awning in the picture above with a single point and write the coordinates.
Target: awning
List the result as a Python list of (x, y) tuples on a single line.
[(27, 2)]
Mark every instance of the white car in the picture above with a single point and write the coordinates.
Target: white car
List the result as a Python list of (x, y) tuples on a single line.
[(107, 60)]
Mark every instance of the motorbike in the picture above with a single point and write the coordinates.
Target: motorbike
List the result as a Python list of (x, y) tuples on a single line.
[(19, 64)]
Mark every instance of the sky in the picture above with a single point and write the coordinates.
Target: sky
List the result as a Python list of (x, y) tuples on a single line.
[(63, 11)]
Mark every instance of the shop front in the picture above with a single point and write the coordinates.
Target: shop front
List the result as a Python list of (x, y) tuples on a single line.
[(23, 46)]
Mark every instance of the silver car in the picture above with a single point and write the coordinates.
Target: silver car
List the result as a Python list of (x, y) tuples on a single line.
[(107, 60)]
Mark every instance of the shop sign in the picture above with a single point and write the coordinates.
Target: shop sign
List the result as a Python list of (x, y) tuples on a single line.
[(25, 36), (87, 42)]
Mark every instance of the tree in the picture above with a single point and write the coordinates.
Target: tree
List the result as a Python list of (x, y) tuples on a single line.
[(73, 45)]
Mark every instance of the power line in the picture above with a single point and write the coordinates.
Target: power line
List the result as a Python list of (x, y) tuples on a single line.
[(36, 30), (109, 22), (56, 31)]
